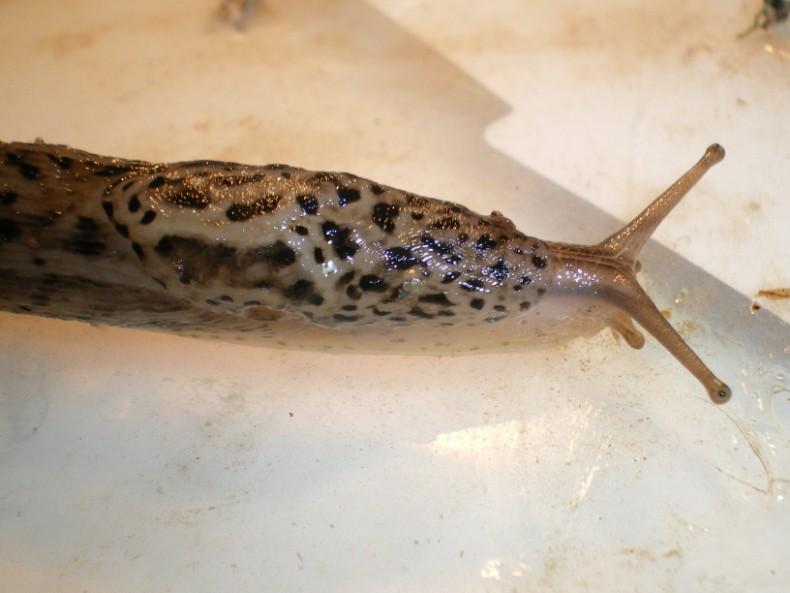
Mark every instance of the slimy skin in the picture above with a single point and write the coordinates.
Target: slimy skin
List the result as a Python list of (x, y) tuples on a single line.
[(307, 259)]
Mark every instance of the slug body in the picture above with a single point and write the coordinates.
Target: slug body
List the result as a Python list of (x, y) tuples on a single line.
[(308, 259)]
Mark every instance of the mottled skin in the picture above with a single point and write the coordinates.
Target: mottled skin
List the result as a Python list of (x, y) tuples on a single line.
[(305, 259)]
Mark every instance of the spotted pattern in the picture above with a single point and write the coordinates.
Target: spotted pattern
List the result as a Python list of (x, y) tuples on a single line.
[(331, 248), (279, 242)]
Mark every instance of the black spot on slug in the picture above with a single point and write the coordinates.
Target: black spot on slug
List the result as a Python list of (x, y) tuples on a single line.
[(148, 217), (347, 195), (164, 246), (477, 304), (400, 258), (384, 216), (485, 242), (277, 254), (87, 225), (9, 229), (134, 204), (450, 277), (418, 312), (111, 170), (265, 205), (353, 293), (345, 278), (498, 270), (27, 170), (108, 208), (7, 197), (300, 230), (85, 247), (525, 305), (138, 250), (316, 300), (38, 261), (299, 290), (157, 182), (440, 247), (308, 204), (340, 239), (339, 317), (438, 298), (318, 255), (189, 198), (61, 162), (446, 223), (123, 230), (472, 285), (372, 283), (539, 262)]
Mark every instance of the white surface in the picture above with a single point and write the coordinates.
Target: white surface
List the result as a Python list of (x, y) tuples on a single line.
[(132, 461)]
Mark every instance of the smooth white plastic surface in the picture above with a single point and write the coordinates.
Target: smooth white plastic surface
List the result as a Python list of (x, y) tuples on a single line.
[(134, 461)]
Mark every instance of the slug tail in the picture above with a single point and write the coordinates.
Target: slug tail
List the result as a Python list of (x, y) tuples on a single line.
[(626, 243)]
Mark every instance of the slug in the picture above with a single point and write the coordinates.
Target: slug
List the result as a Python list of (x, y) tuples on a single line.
[(308, 259)]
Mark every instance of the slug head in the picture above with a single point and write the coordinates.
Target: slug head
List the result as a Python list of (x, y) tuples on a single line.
[(604, 276)]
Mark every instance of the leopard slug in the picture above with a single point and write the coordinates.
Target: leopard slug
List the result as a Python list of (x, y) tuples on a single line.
[(307, 259)]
